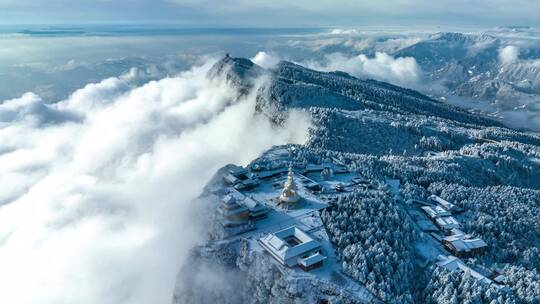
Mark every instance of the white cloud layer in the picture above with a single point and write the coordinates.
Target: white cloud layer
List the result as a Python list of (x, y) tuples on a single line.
[(401, 71), (266, 60), (509, 54), (338, 31), (96, 189)]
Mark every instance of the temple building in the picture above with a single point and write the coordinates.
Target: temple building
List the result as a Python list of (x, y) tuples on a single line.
[(453, 263), (445, 204), (235, 217), (463, 245), (289, 196), (435, 212), (447, 223), (257, 210), (232, 211), (294, 247)]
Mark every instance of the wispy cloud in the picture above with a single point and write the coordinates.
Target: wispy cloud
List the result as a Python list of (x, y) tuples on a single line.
[(266, 60), (98, 210), (401, 71)]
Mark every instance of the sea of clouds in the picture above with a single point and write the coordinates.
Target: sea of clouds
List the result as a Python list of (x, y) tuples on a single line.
[(95, 202), (403, 71), (96, 189)]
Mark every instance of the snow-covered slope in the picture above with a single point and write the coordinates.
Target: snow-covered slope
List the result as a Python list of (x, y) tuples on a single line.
[(470, 65), (294, 86), (394, 148)]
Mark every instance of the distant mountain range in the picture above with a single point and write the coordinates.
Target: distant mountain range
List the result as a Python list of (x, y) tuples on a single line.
[(470, 65)]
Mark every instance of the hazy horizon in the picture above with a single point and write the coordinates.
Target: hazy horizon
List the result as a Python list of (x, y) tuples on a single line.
[(278, 13)]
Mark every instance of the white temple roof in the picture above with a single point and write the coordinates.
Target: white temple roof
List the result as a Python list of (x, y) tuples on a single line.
[(276, 243), (312, 259)]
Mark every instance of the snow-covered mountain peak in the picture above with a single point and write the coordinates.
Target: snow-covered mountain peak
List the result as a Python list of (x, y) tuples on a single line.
[(238, 71)]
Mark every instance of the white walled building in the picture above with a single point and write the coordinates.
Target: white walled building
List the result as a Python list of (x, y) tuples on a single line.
[(292, 246)]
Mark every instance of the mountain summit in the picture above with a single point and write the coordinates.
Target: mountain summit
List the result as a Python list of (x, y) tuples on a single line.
[(398, 199), (294, 86)]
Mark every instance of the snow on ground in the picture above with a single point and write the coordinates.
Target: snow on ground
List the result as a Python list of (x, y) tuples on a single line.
[(306, 217)]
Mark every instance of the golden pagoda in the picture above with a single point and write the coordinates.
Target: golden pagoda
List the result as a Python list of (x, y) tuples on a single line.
[(289, 195)]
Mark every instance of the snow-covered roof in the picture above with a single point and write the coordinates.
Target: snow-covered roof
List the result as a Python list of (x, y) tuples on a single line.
[(453, 263), (456, 231), (500, 279), (295, 232), (250, 181), (231, 179), (230, 206), (286, 252), (250, 203), (311, 260), (447, 222), (475, 243), (254, 206), (266, 174), (239, 196), (229, 199), (313, 167), (235, 209), (237, 171), (308, 182), (444, 203), (463, 242), (247, 183), (435, 211), (276, 243)]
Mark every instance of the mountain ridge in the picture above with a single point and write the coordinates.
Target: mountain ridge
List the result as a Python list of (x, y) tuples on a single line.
[(390, 160), (342, 91)]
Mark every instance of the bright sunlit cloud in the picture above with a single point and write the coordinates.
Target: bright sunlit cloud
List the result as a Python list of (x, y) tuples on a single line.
[(509, 54), (96, 189), (400, 71)]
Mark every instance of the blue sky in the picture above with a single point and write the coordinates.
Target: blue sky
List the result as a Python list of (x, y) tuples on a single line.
[(278, 13)]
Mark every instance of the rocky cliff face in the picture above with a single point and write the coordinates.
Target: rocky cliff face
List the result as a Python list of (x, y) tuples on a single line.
[(229, 273)]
